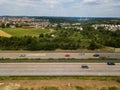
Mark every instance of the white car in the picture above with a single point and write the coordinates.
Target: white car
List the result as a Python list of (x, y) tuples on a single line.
[(22, 55)]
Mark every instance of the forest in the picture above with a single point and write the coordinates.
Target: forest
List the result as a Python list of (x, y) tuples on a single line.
[(66, 39)]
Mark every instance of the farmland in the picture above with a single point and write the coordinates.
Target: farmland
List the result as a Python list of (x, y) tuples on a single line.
[(4, 34), (20, 32)]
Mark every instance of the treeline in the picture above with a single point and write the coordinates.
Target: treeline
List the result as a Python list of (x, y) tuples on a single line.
[(69, 39), (60, 19), (102, 37), (35, 43)]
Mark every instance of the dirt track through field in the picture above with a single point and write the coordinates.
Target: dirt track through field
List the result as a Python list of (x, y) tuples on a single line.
[(4, 34)]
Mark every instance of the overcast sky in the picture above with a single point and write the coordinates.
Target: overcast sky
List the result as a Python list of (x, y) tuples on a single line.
[(79, 8)]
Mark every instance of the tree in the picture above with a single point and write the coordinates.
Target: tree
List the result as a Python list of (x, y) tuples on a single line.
[(3, 25), (93, 45)]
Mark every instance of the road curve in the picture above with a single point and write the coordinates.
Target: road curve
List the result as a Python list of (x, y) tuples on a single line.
[(51, 69)]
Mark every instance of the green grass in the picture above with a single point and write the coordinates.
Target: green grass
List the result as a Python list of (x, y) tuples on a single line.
[(101, 78), (72, 60), (20, 32), (22, 89), (118, 80), (43, 88), (50, 88), (79, 88), (112, 88)]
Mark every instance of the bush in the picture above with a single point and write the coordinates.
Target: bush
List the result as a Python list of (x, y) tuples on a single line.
[(50, 88), (112, 88), (103, 88), (118, 81), (32, 89), (79, 88), (22, 88)]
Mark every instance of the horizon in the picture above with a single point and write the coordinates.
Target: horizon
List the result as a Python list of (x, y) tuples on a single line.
[(61, 8), (55, 16)]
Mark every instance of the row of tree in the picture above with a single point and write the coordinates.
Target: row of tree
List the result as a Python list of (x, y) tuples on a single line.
[(34, 43)]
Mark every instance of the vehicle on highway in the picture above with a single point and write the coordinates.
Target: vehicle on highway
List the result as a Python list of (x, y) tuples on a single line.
[(110, 63), (22, 55), (84, 66), (67, 55), (82, 54), (96, 55)]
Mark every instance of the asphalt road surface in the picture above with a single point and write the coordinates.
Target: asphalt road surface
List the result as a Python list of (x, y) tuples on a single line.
[(51, 69), (58, 55)]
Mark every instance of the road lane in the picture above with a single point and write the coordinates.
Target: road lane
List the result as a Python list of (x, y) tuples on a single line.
[(58, 55), (45, 55), (50, 69)]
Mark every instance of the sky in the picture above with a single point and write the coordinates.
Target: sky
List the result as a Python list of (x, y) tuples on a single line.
[(69, 8)]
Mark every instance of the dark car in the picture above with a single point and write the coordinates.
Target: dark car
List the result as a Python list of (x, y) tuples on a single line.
[(85, 66), (96, 55), (110, 63)]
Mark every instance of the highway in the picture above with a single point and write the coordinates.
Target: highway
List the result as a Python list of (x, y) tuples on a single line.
[(51, 69), (45, 55), (58, 55)]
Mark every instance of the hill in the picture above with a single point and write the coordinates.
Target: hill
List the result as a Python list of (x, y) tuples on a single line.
[(20, 32)]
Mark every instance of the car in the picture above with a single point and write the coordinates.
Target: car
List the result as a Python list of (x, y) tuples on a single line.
[(110, 63), (96, 55), (22, 55), (67, 55), (84, 66), (82, 54)]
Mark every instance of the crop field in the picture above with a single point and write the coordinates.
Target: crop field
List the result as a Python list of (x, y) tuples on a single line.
[(19, 32), (4, 34), (60, 83)]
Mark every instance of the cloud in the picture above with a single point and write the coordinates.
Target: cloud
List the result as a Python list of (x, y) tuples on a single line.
[(53, 3), (87, 1), (60, 7), (91, 2)]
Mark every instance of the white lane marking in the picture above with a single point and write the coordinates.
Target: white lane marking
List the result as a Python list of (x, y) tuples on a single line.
[(35, 55)]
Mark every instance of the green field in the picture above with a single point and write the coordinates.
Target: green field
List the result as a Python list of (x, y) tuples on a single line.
[(19, 32)]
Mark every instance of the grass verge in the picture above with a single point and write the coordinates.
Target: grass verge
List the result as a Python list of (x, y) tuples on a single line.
[(115, 78), (38, 60), (79, 88)]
